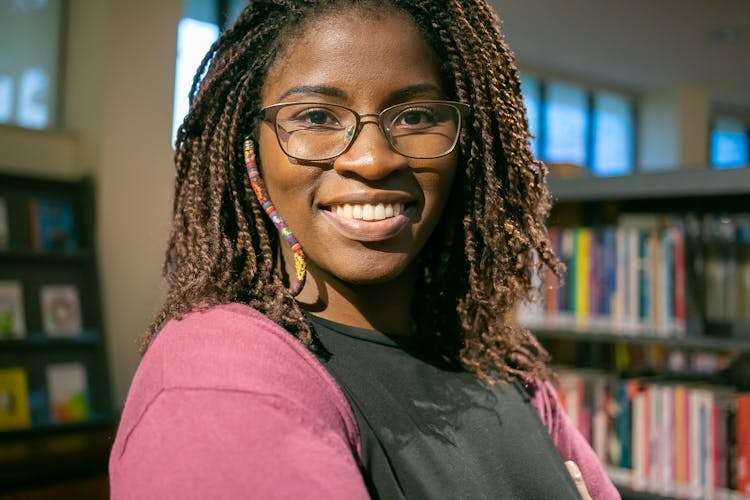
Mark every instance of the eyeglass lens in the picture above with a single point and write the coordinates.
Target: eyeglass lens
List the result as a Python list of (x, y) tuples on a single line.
[(322, 131)]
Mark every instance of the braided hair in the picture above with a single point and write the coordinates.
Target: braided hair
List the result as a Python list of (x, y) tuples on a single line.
[(479, 263)]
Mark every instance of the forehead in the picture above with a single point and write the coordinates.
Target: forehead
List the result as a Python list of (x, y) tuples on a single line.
[(363, 54)]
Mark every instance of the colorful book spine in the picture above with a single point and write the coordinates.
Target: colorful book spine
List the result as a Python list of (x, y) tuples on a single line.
[(742, 438), (582, 281)]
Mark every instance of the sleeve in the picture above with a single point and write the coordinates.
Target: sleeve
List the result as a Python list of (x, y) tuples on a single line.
[(570, 442), (198, 443)]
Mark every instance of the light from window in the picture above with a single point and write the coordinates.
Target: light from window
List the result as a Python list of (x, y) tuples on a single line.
[(30, 37), (531, 91), (565, 124), (613, 135), (194, 38), (730, 143), (33, 90), (6, 98)]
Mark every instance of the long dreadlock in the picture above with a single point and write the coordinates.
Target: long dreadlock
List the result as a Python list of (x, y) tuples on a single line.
[(222, 248)]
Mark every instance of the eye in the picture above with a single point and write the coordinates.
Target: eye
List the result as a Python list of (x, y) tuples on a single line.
[(317, 117), (415, 118)]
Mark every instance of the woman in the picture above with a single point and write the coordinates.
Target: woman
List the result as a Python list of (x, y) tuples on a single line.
[(356, 216)]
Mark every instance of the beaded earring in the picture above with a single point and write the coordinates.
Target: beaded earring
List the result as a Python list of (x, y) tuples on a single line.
[(256, 181)]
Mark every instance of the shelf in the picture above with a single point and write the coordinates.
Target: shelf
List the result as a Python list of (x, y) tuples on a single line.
[(95, 421), (622, 480), (48, 457), (87, 338), (678, 184), (80, 257), (691, 342)]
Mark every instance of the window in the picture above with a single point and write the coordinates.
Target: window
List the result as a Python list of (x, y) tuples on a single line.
[(30, 37), (730, 143), (198, 29), (566, 123), (194, 38), (613, 126), (532, 99), (593, 129)]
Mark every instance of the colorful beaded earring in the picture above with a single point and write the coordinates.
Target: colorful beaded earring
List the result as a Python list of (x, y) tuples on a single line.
[(256, 181)]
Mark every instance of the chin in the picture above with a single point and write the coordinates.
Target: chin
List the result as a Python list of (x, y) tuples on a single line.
[(372, 274)]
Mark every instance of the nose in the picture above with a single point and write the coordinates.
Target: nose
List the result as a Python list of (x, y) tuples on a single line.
[(370, 156)]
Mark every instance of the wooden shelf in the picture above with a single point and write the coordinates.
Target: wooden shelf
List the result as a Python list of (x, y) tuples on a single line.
[(81, 257), (737, 344), (94, 421), (678, 184), (621, 478), (35, 340), (48, 457)]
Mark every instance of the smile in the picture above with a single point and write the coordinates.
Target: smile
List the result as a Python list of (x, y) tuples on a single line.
[(367, 211), (369, 221)]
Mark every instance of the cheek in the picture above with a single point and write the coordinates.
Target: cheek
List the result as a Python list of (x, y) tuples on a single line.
[(277, 172), (437, 187), (290, 187)]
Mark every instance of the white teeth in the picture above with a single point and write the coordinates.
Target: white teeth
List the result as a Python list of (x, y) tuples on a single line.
[(367, 211), (379, 212)]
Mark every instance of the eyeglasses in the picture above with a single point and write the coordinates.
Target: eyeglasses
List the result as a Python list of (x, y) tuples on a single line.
[(315, 131)]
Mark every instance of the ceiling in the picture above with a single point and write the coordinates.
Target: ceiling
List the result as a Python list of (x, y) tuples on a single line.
[(636, 45)]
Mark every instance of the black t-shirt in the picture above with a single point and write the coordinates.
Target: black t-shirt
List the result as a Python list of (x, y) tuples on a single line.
[(429, 431)]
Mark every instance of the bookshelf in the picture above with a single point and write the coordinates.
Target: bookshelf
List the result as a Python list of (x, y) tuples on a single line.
[(55, 397), (646, 347)]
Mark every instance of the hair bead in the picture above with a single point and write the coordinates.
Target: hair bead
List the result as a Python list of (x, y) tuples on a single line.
[(256, 181)]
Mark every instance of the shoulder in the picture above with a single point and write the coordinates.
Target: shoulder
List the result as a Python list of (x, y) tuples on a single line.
[(544, 398), (232, 350)]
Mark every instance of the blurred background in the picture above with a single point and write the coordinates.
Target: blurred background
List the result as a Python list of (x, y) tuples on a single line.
[(91, 93)]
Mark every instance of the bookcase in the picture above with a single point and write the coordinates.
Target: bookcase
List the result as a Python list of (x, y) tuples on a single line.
[(56, 414), (652, 327)]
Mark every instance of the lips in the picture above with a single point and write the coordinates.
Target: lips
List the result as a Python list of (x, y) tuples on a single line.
[(371, 220)]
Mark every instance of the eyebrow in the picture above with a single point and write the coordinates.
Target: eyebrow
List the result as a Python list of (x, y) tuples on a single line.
[(401, 94), (314, 89), (412, 91)]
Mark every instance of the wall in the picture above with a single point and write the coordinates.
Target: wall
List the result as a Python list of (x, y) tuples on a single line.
[(135, 172), (117, 101)]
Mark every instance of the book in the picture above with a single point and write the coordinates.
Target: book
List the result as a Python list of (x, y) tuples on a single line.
[(67, 388), (582, 266), (53, 225), (742, 437), (14, 399), (4, 228), (61, 311), (12, 324)]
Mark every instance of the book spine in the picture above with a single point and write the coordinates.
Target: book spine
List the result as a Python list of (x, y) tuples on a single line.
[(552, 285), (742, 438), (638, 445), (623, 424), (564, 293), (680, 436), (633, 288), (582, 280), (669, 441), (678, 262)]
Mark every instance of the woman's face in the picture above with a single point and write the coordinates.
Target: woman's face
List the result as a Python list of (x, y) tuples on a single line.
[(366, 65)]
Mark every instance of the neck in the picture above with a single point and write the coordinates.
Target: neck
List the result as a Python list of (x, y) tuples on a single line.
[(385, 307)]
